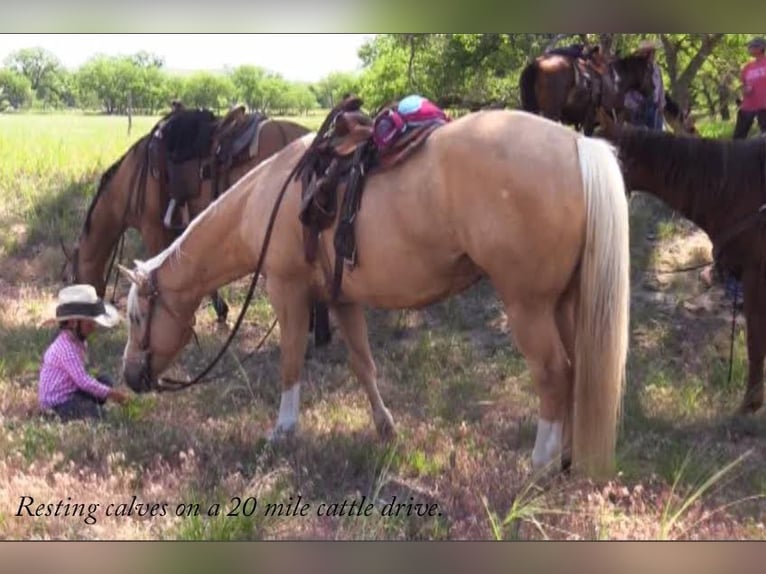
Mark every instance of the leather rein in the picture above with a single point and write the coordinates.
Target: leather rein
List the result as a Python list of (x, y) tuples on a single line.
[(165, 384)]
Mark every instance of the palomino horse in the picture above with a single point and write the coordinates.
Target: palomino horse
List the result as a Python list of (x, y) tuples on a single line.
[(538, 209), (719, 186), (203, 155), (555, 87)]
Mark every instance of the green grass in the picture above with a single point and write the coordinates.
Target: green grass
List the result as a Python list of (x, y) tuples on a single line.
[(459, 391)]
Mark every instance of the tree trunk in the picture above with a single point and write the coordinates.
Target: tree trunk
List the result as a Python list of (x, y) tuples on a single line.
[(708, 100), (606, 44), (680, 82)]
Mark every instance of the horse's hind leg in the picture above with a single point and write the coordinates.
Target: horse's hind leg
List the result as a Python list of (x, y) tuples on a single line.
[(290, 301), (353, 328), (565, 321), (537, 336)]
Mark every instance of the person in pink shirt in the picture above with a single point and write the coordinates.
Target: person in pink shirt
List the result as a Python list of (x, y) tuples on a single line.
[(753, 78), (66, 387)]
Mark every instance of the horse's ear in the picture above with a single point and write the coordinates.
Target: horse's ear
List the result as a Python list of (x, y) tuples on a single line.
[(130, 274)]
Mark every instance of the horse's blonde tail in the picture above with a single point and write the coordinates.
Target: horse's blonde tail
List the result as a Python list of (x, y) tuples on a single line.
[(601, 344)]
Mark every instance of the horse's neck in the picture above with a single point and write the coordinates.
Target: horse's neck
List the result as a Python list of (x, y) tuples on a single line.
[(107, 223), (646, 172)]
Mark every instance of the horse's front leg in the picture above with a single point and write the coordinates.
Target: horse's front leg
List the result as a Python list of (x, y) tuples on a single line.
[(290, 300)]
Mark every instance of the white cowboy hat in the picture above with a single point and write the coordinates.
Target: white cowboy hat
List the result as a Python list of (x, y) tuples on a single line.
[(82, 302)]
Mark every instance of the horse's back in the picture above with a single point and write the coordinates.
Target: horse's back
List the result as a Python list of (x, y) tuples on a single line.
[(509, 135)]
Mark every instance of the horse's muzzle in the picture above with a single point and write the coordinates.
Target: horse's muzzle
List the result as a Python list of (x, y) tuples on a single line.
[(138, 375)]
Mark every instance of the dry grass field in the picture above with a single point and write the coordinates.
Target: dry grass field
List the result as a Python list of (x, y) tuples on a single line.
[(458, 389)]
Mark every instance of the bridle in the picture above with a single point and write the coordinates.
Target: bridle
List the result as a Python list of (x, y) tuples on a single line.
[(154, 298)]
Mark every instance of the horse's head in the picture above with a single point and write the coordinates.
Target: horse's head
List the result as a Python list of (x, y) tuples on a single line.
[(634, 72), (156, 333)]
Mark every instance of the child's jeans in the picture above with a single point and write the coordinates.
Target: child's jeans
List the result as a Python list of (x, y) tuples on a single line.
[(83, 405)]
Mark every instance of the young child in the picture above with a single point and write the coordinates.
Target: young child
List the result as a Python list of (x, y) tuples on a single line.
[(65, 386)]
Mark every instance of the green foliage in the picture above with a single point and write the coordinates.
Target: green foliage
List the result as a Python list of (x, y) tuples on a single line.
[(44, 71), (461, 71), (117, 82), (15, 89), (248, 82), (208, 90), (330, 89)]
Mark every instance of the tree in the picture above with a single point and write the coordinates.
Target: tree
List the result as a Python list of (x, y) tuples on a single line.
[(16, 88), (208, 90), (43, 70), (685, 55), (249, 85), (330, 89)]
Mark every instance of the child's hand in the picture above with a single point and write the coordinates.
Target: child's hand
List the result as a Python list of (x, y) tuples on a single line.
[(118, 396)]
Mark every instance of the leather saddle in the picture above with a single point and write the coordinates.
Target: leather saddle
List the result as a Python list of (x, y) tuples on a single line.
[(182, 183), (333, 172)]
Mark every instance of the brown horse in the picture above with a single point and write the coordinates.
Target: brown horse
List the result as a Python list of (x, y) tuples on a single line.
[(719, 186), (556, 87), (168, 177), (538, 209)]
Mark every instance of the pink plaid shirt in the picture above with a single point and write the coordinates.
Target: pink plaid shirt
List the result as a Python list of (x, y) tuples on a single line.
[(63, 372)]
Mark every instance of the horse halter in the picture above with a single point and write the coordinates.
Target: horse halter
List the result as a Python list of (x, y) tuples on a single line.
[(154, 297)]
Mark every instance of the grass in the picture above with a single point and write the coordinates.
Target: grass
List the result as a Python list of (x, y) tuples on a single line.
[(459, 391)]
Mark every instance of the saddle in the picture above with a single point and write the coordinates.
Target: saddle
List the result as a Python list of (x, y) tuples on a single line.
[(183, 184), (235, 147), (333, 171)]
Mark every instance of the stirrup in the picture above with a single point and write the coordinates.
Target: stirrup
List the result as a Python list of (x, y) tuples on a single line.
[(168, 219)]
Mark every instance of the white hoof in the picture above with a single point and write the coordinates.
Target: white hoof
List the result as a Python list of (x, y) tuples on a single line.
[(547, 451), (289, 407), (384, 424), (281, 433)]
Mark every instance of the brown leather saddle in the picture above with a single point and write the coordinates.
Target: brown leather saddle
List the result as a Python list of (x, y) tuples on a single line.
[(234, 149), (181, 182), (333, 172)]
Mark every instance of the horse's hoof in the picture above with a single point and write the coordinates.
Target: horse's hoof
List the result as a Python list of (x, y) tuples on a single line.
[(749, 408), (566, 465), (280, 434), (384, 424), (752, 403)]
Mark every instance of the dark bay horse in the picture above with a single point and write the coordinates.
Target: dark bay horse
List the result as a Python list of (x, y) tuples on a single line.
[(720, 186), (532, 205), (169, 176), (556, 87)]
